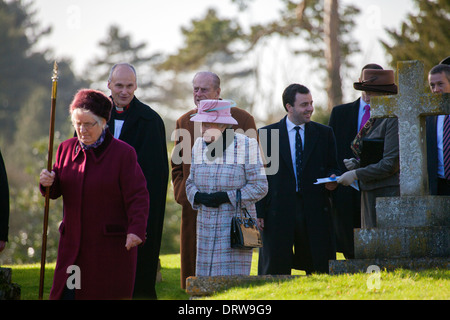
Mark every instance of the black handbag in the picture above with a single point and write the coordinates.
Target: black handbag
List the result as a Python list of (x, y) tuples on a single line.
[(371, 151), (244, 232)]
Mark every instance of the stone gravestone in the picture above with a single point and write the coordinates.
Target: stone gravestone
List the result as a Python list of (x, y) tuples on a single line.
[(8, 290), (413, 230), (205, 286)]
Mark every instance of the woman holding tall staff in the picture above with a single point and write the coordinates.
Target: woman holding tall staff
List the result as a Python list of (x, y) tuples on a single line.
[(106, 206)]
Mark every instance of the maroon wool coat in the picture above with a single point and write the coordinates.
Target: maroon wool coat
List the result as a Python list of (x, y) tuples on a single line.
[(105, 198)]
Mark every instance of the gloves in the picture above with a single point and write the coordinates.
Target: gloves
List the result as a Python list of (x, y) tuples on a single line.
[(347, 178), (351, 164), (213, 200)]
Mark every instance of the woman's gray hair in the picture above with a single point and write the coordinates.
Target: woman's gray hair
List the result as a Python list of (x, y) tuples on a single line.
[(97, 118)]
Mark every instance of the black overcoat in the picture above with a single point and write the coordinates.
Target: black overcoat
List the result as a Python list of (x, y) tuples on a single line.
[(278, 208), (145, 131), (4, 201), (346, 200)]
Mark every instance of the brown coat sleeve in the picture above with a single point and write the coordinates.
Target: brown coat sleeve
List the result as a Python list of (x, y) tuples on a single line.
[(180, 171)]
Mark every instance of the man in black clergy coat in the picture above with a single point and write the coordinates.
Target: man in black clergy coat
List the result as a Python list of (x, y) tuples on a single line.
[(295, 211), (4, 205), (345, 120), (141, 127)]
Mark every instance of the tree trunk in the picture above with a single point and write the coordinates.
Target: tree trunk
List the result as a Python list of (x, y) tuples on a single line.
[(332, 53)]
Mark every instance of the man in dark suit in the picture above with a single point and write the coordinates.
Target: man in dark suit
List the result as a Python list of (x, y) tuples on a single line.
[(439, 180), (141, 127), (296, 212), (346, 120)]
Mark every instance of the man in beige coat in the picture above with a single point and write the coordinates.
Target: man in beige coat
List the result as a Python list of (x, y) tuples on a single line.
[(206, 85), (375, 167)]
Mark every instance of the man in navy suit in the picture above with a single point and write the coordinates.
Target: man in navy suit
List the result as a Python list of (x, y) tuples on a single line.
[(296, 212), (346, 120), (439, 81)]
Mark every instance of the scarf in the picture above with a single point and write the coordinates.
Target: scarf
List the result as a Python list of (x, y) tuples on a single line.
[(356, 145), (220, 145), (96, 143)]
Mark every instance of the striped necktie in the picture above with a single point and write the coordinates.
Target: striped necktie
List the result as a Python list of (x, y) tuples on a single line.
[(446, 146), (298, 155)]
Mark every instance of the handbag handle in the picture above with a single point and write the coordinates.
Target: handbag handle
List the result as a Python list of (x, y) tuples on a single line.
[(239, 206), (238, 202)]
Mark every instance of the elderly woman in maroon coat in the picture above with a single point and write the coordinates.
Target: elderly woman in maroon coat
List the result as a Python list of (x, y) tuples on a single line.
[(106, 206)]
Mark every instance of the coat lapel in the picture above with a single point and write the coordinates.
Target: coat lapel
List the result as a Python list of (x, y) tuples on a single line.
[(285, 149), (354, 116), (311, 137)]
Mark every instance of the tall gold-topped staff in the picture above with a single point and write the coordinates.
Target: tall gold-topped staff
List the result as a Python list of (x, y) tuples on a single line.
[(49, 168)]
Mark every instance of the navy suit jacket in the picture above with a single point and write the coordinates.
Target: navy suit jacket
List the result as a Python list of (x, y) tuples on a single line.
[(278, 207)]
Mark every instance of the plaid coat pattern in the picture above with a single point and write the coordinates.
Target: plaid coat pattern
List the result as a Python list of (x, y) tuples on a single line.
[(240, 167)]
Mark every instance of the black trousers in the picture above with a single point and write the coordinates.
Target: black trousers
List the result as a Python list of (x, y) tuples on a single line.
[(282, 252), (443, 187), (302, 258)]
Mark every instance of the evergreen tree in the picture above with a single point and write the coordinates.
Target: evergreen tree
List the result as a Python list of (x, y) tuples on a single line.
[(215, 44), (21, 67), (424, 35), (203, 40), (117, 48), (325, 26), (25, 82)]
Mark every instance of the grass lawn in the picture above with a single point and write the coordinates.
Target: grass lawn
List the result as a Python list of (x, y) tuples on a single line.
[(398, 285)]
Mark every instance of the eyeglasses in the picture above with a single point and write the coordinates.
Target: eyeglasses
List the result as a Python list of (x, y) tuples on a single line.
[(86, 125)]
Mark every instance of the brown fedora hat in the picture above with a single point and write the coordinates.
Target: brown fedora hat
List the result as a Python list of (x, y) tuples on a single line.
[(377, 81)]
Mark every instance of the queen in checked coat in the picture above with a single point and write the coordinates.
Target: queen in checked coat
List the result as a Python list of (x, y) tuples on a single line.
[(106, 205), (222, 162)]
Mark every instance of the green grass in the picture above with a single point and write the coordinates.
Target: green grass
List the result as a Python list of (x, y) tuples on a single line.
[(27, 276), (169, 288), (398, 285)]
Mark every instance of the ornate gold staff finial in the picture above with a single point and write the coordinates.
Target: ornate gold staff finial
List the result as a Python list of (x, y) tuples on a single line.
[(54, 80), (55, 71)]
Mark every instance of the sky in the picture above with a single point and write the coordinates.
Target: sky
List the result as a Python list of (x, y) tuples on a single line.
[(79, 25)]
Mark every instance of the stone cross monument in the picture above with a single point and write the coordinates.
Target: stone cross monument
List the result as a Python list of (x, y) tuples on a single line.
[(410, 107), (413, 230)]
